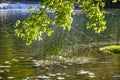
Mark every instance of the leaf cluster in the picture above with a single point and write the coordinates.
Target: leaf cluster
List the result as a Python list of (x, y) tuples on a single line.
[(40, 23)]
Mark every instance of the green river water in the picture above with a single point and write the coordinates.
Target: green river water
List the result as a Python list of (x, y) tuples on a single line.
[(75, 57)]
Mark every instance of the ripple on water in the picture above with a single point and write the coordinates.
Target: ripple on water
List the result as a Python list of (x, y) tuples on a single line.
[(64, 74), (30, 58), (41, 77), (52, 75), (5, 66), (11, 77), (60, 78), (1, 71), (15, 60), (47, 68), (7, 62), (26, 78), (0, 78), (69, 64), (58, 74), (82, 72), (6, 70), (21, 58), (116, 76), (92, 75)]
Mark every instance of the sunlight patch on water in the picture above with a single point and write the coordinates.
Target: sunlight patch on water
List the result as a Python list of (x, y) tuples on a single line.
[(7, 62), (5, 66), (116, 76), (11, 77), (0, 77), (86, 72), (41, 77), (61, 78), (1, 71)]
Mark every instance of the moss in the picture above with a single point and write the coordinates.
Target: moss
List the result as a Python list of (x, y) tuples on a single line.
[(111, 49)]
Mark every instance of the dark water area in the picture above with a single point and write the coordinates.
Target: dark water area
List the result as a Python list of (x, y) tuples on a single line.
[(21, 62), (110, 4)]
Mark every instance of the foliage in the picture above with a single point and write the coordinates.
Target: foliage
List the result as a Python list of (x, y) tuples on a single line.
[(111, 49), (114, 1), (40, 23)]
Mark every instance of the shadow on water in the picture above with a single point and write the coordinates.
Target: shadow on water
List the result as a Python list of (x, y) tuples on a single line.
[(63, 56)]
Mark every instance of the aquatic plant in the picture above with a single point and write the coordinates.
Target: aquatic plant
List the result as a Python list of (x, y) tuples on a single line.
[(111, 49)]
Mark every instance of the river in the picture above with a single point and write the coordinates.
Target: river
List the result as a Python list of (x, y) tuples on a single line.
[(21, 62)]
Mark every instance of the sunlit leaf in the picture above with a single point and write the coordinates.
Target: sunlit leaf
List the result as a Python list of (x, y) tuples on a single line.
[(40, 22), (17, 23), (32, 7), (114, 1)]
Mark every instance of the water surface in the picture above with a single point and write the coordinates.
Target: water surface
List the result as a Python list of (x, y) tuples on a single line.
[(19, 62)]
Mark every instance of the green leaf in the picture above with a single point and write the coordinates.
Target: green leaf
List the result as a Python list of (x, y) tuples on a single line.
[(32, 7), (114, 1), (17, 23), (41, 22)]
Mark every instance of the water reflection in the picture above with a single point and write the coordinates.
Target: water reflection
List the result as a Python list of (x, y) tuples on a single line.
[(12, 15), (20, 62), (13, 50)]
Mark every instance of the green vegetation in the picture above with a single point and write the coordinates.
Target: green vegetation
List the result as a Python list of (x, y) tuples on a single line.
[(40, 22), (111, 49)]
